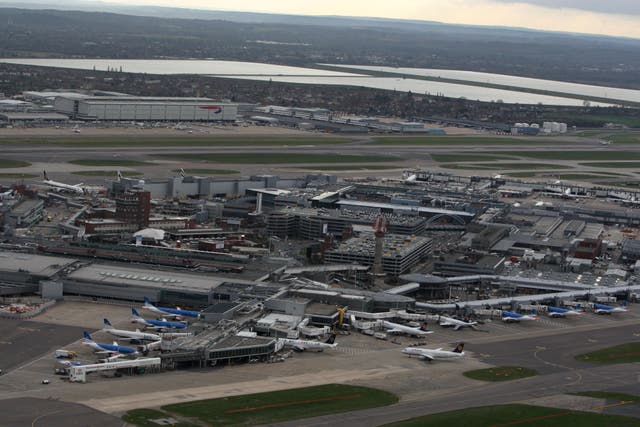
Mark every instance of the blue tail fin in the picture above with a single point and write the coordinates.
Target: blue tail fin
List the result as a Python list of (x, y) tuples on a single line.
[(135, 312), (624, 303), (106, 322), (147, 301), (459, 348), (87, 336)]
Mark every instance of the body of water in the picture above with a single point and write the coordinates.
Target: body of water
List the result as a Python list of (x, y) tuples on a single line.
[(280, 73), (514, 81)]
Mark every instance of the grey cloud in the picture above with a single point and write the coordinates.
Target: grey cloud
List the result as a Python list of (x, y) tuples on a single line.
[(602, 6)]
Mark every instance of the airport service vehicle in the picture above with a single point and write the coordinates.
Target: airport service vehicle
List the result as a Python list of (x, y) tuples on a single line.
[(557, 312), (608, 309), (66, 354), (457, 324), (511, 317), (303, 345), (396, 328), (135, 336), (155, 324), (177, 313), (109, 349), (430, 355)]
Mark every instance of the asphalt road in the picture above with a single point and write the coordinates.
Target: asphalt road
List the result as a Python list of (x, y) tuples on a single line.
[(21, 340), (551, 355), (34, 412)]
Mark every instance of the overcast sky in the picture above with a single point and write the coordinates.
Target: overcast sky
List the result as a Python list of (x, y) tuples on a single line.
[(611, 17)]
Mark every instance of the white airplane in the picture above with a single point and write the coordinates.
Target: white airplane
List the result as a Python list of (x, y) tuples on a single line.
[(457, 324), (608, 309), (302, 345), (8, 195), (511, 317), (395, 328), (176, 313), (430, 355), (135, 336), (110, 349), (557, 312), (411, 179), (61, 186)]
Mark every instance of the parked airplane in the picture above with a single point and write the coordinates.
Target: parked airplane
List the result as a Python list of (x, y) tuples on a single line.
[(395, 328), (155, 324), (169, 312), (61, 186), (302, 345), (430, 355), (608, 309), (111, 349), (511, 317), (457, 324), (556, 312), (134, 336), (8, 195)]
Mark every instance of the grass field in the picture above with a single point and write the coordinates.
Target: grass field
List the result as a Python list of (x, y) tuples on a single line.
[(620, 397), (622, 165), (500, 373), (274, 158), (566, 176), (625, 138), (590, 133), (625, 353), (187, 141), (597, 119), (108, 173), (144, 417), (467, 157), (500, 165), (17, 175), (347, 168), (454, 140), (265, 408), (8, 163), (109, 162), (599, 155), (520, 415), (197, 171)]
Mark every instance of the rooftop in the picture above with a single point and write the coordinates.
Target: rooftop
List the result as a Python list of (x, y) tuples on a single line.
[(35, 264)]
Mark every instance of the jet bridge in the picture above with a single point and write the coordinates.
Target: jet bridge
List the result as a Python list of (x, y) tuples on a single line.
[(78, 373)]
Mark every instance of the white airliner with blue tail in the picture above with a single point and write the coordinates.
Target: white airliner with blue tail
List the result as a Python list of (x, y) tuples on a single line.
[(110, 349), (169, 312), (134, 336), (155, 324), (511, 317), (557, 312), (608, 309)]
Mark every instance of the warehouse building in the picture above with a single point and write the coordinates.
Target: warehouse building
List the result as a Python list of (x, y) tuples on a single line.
[(146, 108)]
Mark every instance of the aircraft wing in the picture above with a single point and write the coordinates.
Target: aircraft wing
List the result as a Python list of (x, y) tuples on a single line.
[(299, 347), (395, 331), (445, 323), (427, 357)]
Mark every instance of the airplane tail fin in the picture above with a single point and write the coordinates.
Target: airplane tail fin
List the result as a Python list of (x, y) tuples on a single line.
[(119, 175), (107, 324), (331, 339), (147, 302), (423, 326), (624, 303), (86, 336), (134, 312), (182, 173), (459, 348), (44, 173)]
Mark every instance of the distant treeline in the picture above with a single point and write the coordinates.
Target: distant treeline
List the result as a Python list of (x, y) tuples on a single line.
[(585, 59)]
